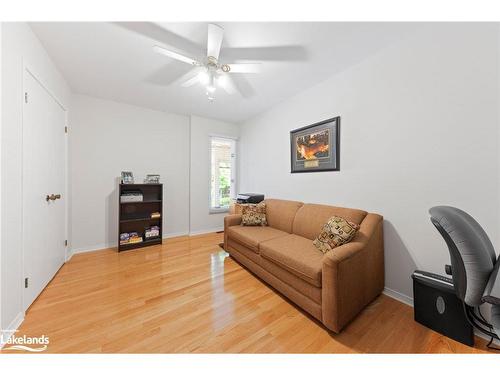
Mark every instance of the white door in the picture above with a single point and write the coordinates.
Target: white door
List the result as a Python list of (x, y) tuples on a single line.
[(44, 163)]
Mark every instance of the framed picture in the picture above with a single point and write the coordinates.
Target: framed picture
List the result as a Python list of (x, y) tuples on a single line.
[(316, 147), (152, 179), (127, 177)]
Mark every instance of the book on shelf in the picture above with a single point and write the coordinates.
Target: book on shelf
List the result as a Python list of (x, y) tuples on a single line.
[(152, 232), (131, 196), (129, 238), (124, 236), (131, 241)]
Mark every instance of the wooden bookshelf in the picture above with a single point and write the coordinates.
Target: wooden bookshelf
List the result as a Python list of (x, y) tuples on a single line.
[(136, 216)]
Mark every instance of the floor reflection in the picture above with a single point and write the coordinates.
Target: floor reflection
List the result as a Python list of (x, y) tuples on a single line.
[(222, 301)]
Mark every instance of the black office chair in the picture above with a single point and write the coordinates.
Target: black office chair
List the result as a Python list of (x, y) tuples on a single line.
[(474, 267)]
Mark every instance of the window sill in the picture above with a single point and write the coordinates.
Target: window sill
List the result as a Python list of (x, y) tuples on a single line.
[(212, 211)]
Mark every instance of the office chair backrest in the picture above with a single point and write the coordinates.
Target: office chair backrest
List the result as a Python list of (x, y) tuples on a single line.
[(471, 251)]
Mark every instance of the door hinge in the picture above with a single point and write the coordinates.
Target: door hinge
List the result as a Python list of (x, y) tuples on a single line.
[(26, 97), (26, 282), (65, 242), (66, 129)]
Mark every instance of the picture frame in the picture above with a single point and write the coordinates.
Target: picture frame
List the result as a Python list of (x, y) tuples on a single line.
[(152, 179), (127, 177), (316, 147)]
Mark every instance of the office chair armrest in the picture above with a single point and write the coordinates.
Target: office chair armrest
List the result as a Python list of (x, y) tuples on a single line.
[(492, 291)]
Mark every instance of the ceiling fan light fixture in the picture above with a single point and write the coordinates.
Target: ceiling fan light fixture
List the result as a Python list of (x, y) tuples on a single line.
[(222, 80), (208, 71), (211, 82), (204, 77), (210, 97)]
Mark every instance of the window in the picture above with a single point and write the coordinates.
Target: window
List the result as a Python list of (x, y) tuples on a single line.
[(222, 173)]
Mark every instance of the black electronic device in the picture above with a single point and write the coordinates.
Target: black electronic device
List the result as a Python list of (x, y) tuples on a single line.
[(437, 307), (249, 198)]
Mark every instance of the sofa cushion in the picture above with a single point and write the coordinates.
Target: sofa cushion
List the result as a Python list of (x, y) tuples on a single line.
[(280, 213), (254, 214), (244, 250), (337, 231), (252, 236), (297, 255), (310, 218), (311, 291), (288, 291)]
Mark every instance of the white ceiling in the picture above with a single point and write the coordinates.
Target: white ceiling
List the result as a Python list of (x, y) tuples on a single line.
[(116, 61)]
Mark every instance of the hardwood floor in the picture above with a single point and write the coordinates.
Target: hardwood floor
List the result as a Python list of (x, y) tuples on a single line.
[(188, 296)]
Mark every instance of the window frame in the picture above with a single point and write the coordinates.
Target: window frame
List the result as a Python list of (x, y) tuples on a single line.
[(234, 172)]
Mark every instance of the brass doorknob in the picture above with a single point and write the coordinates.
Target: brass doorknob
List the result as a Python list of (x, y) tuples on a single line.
[(52, 197)]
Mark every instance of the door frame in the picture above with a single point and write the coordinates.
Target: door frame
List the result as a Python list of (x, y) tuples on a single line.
[(27, 68)]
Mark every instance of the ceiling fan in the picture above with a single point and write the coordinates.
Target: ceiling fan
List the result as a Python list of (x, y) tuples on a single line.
[(209, 71)]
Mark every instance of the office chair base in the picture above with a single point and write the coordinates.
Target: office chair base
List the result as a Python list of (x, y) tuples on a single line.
[(480, 324), (437, 307)]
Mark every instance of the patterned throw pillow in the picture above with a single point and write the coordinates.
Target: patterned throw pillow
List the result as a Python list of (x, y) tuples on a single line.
[(254, 215), (337, 231)]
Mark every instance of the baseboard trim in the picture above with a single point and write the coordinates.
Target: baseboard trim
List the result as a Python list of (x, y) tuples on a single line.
[(111, 245), (114, 245), (205, 231), (398, 296), (175, 234), (13, 326), (91, 248)]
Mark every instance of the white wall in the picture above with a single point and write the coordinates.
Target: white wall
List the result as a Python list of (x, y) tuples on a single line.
[(201, 221), (19, 45), (106, 138), (1, 326), (419, 128)]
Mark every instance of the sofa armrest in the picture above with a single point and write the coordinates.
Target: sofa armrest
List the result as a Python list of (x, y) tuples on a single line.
[(229, 221), (353, 274)]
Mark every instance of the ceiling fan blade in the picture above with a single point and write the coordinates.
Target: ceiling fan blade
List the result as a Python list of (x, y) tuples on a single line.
[(244, 87), (175, 55), (159, 35), (187, 79), (168, 73), (214, 42), (271, 53), (191, 81), (236, 84), (245, 68), (226, 82)]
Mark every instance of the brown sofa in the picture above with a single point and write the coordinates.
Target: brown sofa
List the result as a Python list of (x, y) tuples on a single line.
[(334, 287)]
